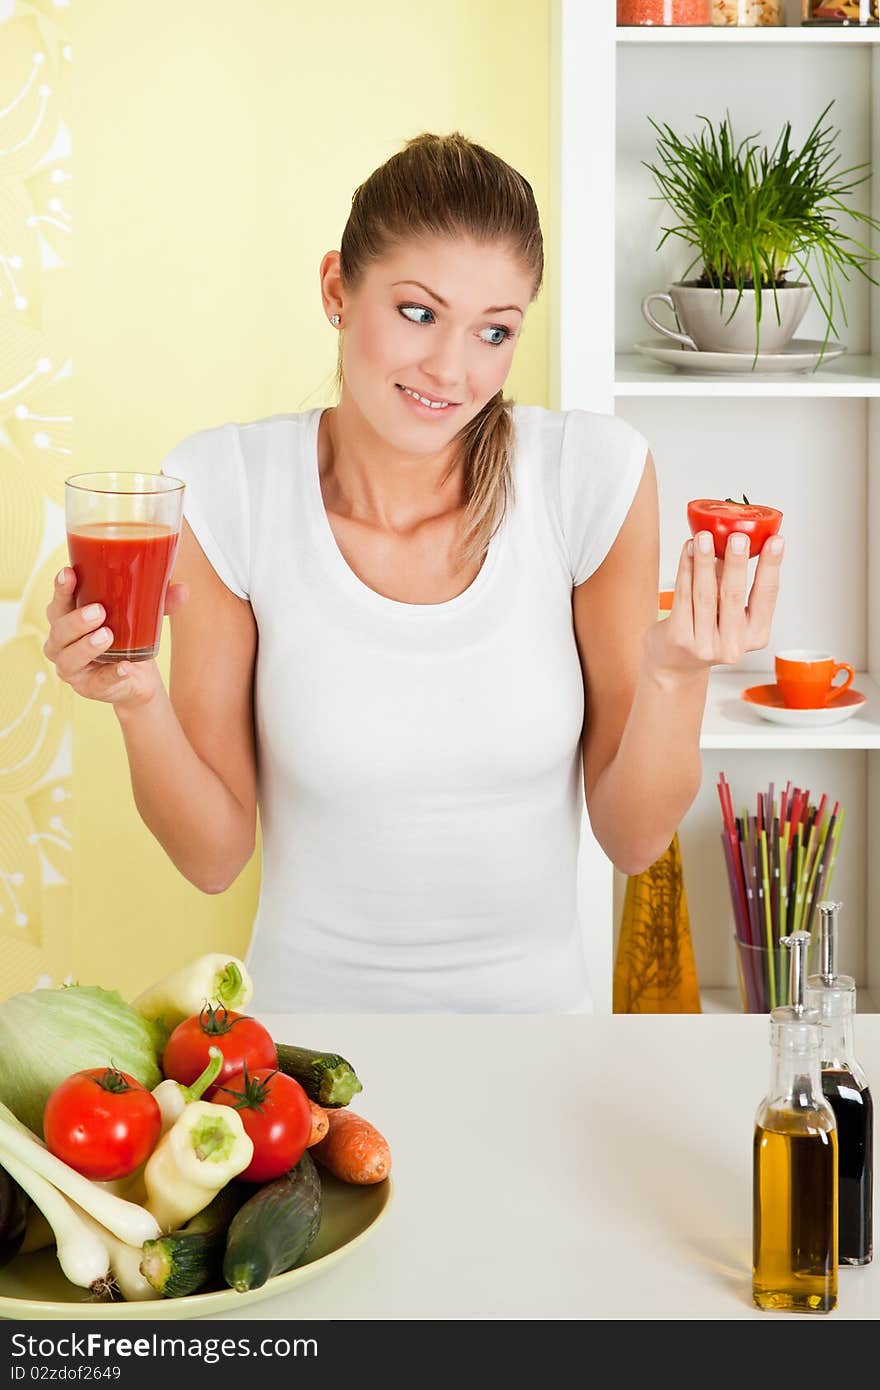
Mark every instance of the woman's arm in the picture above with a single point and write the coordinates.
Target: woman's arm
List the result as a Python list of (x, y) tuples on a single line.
[(192, 754), (645, 681)]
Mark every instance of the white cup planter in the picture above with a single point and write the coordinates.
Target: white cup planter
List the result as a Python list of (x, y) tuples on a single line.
[(713, 321)]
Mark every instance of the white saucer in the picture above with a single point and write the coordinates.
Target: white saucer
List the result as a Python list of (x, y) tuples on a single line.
[(799, 356)]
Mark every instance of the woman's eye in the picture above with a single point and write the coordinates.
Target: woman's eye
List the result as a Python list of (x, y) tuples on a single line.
[(407, 309), (496, 342), (414, 310)]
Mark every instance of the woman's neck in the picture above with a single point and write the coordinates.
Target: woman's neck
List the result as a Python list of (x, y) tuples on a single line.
[(365, 479)]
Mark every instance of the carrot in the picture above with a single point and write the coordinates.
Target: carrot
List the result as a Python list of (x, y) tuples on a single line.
[(320, 1124), (353, 1150)]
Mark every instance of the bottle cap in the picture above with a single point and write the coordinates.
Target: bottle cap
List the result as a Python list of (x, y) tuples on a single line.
[(829, 991), (797, 944), (796, 1013), (828, 927)]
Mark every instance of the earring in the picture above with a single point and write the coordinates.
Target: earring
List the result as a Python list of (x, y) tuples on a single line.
[(334, 319)]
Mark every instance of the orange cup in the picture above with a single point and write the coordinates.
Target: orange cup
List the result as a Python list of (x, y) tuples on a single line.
[(805, 678)]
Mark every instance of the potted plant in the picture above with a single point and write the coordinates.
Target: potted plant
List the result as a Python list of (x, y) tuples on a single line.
[(751, 212)]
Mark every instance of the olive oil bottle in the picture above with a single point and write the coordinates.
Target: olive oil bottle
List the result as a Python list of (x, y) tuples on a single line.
[(845, 1085), (794, 1192)]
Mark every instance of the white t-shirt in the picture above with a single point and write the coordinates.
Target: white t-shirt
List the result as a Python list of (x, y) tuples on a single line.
[(419, 765)]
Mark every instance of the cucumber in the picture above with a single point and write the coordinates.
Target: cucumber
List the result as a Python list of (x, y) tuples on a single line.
[(274, 1228), (326, 1078), (14, 1204), (186, 1260)]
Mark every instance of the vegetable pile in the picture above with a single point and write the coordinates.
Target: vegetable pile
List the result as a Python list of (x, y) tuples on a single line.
[(168, 1146)]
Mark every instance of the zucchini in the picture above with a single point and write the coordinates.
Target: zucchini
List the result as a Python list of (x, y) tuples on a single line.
[(326, 1078), (274, 1228), (14, 1204), (187, 1259)]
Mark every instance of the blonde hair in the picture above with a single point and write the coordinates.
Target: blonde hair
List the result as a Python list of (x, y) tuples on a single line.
[(445, 185)]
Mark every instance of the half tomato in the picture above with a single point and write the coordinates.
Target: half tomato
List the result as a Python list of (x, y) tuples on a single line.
[(723, 518)]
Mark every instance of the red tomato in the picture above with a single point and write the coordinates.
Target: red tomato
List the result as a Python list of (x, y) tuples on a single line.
[(102, 1122), (276, 1117), (239, 1037), (722, 518)]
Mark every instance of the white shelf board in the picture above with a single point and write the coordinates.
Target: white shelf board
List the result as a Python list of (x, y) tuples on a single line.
[(727, 1001), (785, 34), (853, 374), (731, 723)]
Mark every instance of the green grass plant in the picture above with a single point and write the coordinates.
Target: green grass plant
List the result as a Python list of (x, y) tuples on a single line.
[(751, 212)]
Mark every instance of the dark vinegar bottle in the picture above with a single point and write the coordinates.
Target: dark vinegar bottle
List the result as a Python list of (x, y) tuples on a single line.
[(845, 1087), (854, 1112)]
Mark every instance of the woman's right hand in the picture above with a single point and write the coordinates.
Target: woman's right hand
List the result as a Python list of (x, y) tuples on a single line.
[(78, 635)]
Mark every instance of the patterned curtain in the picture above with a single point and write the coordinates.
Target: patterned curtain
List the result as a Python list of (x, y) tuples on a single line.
[(36, 454)]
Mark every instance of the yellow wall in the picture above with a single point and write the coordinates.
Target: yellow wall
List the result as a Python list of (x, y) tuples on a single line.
[(36, 843), (216, 146)]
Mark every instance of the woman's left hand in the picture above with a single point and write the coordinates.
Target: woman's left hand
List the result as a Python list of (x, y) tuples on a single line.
[(711, 622)]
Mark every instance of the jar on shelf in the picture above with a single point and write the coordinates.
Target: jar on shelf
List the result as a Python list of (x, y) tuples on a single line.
[(841, 12), (747, 14), (630, 12)]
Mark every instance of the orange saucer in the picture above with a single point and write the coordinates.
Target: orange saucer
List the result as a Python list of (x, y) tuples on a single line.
[(768, 701)]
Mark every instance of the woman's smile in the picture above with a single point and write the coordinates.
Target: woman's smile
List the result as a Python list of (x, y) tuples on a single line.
[(426, 405)]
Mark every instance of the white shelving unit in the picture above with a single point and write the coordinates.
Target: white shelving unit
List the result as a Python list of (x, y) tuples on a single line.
[(788, 36), (730, 722), (808, 443), (855, 375)]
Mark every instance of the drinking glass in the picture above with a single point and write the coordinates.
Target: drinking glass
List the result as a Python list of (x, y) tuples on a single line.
[(122, 535), (764, 975)]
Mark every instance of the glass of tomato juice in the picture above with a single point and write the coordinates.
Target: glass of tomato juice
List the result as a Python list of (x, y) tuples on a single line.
[(122, 534)]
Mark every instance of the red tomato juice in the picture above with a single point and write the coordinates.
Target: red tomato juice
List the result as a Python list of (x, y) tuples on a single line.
[(126, 567)]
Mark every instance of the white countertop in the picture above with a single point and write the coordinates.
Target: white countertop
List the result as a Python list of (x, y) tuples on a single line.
[(558, 1167)]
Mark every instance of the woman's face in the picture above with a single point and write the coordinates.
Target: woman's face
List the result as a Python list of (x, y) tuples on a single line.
[(440, 318)]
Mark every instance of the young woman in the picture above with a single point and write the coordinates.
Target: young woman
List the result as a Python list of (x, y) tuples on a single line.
[(416, 629)]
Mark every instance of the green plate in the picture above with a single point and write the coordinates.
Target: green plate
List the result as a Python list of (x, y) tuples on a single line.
[(33, 1286)]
